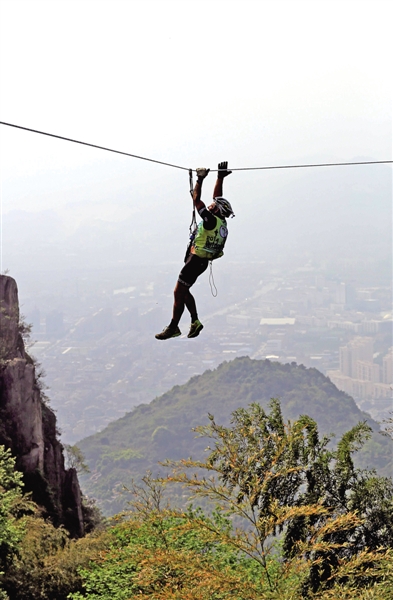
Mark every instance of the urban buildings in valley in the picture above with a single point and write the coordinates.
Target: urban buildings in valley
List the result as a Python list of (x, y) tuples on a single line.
[(94, 334)]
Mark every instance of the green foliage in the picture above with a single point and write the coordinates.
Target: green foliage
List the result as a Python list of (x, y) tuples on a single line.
[(92, 516), (293, 519), (47, 564), (280, 478), (388, 431), (156, 552), (37, 560), (162, 436), (12, 505), (163, 428), (119, 457), (24, 329), (75, 459)]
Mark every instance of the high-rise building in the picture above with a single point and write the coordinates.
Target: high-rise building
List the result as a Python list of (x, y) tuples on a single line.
[(359, 376), (359, 349), (341, 296), (367, 371)]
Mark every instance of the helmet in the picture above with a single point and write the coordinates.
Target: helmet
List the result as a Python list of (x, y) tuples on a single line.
[(224, 207)]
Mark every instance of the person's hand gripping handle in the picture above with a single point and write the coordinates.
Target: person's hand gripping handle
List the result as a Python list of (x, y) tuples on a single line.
[(202, 173)]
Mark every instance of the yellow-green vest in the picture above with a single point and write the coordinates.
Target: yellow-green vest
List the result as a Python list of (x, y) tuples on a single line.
[(209, 243)]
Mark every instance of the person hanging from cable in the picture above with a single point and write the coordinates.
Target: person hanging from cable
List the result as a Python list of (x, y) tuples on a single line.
[(206, 244)]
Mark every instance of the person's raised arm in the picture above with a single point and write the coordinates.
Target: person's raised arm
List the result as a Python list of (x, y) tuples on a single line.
[(221, 173), (201, 174)]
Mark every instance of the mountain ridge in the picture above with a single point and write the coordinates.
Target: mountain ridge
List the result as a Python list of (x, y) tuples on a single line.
[(162, 429)]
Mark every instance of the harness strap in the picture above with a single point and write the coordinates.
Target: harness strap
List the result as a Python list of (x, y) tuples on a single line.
[(193, 225), (193, 218), (191, 180)]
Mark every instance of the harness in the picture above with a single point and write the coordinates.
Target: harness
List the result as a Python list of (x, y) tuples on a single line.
[(193, 229), (193, 223)]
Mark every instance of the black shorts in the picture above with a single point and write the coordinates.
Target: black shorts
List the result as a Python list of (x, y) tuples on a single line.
[(194, 266)]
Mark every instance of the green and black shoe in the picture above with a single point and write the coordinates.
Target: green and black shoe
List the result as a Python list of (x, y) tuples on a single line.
[(195, 329)]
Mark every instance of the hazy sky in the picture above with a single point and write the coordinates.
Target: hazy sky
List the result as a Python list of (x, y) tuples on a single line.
[(189, 82)]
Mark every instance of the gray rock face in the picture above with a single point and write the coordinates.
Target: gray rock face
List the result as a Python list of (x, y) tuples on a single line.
[(28, 426), (9, 318)]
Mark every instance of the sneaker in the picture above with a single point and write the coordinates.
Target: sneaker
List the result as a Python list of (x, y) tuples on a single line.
[(195, 329), (168, 332)]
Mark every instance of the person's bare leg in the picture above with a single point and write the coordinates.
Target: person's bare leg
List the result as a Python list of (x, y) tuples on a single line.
[(180, 293), (191, 306), (196, 326)]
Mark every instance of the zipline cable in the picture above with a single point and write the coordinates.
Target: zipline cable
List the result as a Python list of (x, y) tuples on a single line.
[(342, 164), (60, 137)]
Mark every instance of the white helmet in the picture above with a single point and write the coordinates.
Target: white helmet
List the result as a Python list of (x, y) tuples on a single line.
[(223, 206)]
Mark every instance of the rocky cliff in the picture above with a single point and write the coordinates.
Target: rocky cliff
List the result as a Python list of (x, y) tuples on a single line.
[(28, 425)]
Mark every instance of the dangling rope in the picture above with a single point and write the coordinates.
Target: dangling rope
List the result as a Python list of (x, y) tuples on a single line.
[(212, 284)]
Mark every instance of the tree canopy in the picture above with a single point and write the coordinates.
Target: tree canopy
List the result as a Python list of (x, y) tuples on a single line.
[(285, 517)]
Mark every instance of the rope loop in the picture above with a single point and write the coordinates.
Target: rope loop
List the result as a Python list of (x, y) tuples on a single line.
[(212, 284)]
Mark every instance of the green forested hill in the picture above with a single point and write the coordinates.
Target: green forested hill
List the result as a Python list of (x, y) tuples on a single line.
[(163, 429)]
